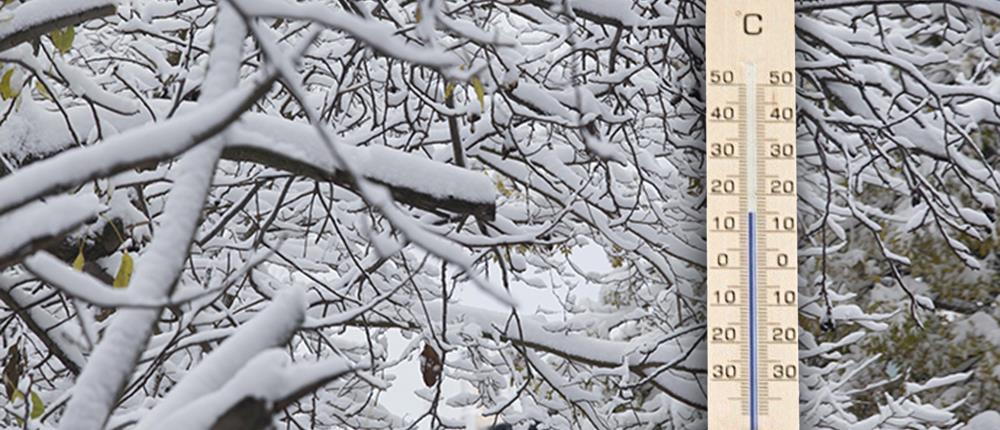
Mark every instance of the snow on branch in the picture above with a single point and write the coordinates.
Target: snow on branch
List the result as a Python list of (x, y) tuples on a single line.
[(60, 339), (986, 6), (284, 145), (913, 388), (37, 18), (271, 328), (532, 333), (265, 385), (83, 286), (378, 36), (152, 142), (37, 224), (113, 361), (411, 179), (668, 365), (616, 13), (353, 175)]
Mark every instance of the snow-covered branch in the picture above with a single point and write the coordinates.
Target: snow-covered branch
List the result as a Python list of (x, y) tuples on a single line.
[(38, 17)]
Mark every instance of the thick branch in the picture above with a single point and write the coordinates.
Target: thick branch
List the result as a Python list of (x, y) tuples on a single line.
[(30, 22), (406, 194), (123, 152), (41, 225)]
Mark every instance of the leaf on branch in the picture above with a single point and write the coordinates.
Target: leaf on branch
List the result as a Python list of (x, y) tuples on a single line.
[(480, 92), (124, 274), (42, 90), (449, 90), (12, 370), (7, 90), (430, 365), (37, 406), (63, 39), (79, 261)]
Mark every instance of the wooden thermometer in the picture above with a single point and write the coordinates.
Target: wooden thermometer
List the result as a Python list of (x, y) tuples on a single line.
[(752, 282)]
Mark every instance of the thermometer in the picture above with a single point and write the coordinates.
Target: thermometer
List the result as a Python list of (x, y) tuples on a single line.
[(751, 216)]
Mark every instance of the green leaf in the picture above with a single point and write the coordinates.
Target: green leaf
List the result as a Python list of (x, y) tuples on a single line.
[(37, 406), (7, 90), (63, 39), (42, 90)]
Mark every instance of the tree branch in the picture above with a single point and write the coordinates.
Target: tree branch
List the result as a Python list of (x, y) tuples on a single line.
[(27, 25)]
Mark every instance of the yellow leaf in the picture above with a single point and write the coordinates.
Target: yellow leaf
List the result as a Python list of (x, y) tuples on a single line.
[(417, 15), (7, 90), (503, 189), (79, 260), (449, 89), (480, 92), (124, 272), (37, 406), (63, 39), (42, 90)]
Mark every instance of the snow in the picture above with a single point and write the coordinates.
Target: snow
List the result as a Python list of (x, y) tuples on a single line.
[(302, 143), (112, 362), (937, 382), (66, 340), (827, 347), (83, 286), (344, 317), (84, 86), (293, 140), (118, 152), (260, 378), (572, 392), (271, 328), (145, 48), (473, 32), (881, 124), (983, 5), (376, 35), (41, 220), (532, 332), (436, 245), (539, 98), (615, 12), (30, 15), (268, 376), (978, 324), (21, 138), (988, 420)]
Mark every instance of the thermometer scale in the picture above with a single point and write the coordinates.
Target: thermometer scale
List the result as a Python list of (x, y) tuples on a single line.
[(751, 215)]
